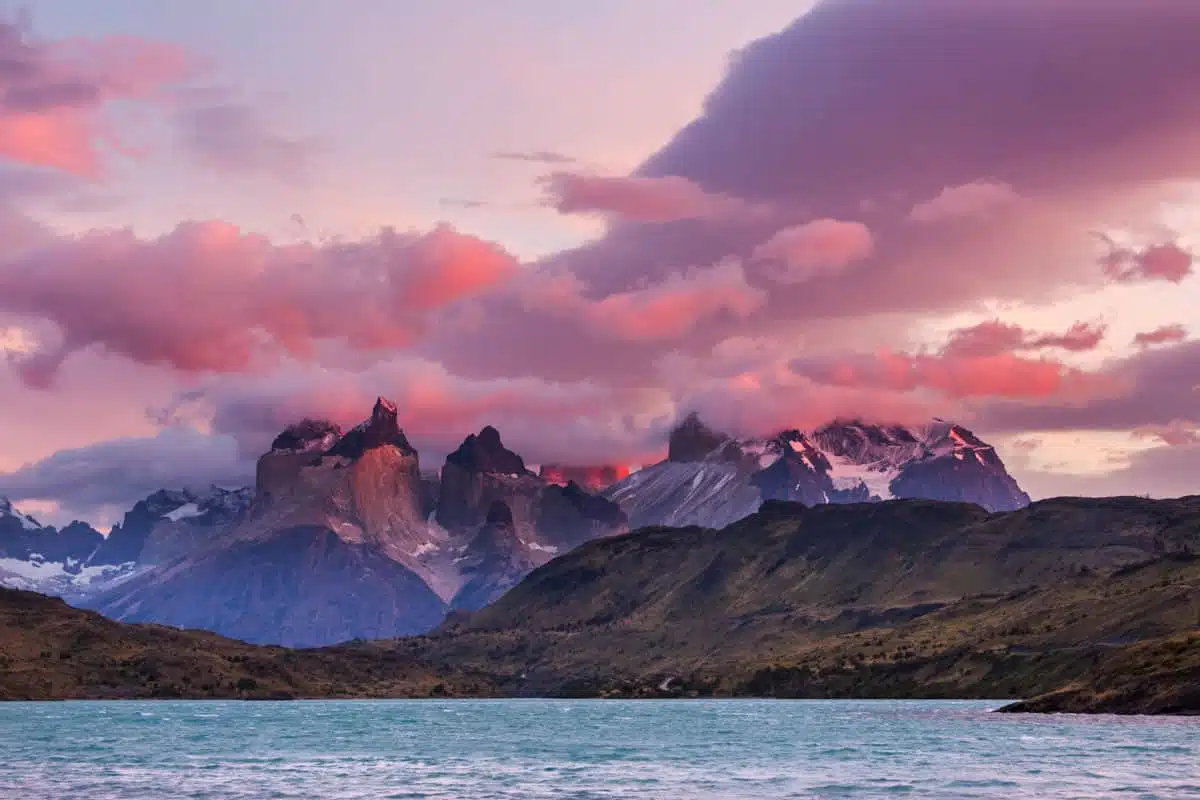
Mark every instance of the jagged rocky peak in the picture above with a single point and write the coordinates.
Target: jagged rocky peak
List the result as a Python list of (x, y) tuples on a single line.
[(692, 440), (479, 472), (485, 452), (592, 478), (381, 430), (307, 436)]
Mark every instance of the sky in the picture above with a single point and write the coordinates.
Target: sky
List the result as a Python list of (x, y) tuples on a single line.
[(579, 222)]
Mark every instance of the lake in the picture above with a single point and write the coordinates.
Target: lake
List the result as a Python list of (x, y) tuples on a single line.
[(584, 749)]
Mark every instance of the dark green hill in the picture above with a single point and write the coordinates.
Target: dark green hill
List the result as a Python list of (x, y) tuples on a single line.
[(899, 599), (49, 650)]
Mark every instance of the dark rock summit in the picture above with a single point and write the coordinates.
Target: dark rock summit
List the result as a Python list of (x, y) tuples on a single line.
[(308, 435), (485, 452), (692, 440), (480, 472), (382, 429)]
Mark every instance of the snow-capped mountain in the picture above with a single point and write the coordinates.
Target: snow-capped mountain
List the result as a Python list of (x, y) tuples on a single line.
[(79, 561), (44, 559), (712, 479)]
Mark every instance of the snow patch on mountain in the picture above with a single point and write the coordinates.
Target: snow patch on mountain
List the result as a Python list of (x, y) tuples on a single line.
[(24, 520), (183, 512)]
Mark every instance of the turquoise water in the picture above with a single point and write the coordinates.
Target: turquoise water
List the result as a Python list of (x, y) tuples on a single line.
[(584, 749)]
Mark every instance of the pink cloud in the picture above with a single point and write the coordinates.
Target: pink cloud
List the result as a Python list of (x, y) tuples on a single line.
[(815, 248), (55, 94), (995, 338), (1167, 334), (591, 423), (1167, 261), (1177, 433), (226, 133), (904, 129), (635, 199), (209, 298), (663, 311), (1001, 375), (971, 200)]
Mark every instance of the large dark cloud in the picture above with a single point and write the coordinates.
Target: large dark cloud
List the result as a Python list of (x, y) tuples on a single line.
[(1027, 124)]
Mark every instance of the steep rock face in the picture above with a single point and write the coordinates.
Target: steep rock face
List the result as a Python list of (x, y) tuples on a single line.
[(711, 479), (496, 559), (480, 472), (366, 487), (568, 516), (298, 446), (15, 526), (594, 479), (302, 587)]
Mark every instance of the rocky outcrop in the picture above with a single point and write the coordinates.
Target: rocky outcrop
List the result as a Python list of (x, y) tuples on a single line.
[(479, 473)]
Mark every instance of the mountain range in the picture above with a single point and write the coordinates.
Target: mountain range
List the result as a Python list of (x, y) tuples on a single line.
[(345, 536)]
